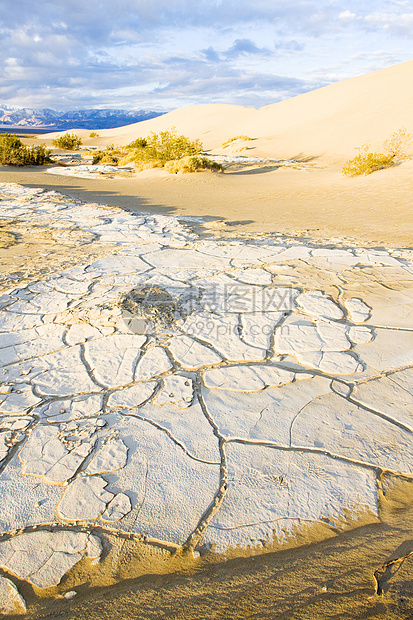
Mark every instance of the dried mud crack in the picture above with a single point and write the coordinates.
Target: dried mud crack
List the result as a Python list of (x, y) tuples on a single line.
[(222, 397)]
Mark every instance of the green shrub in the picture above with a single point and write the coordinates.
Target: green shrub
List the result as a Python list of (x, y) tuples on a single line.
[(111, 155), (159, 148), (14, 153), (366, 162), (191, 163), (176, 153), (242, 137), (100, 157), (93, 134), (167, 145), (138, 143), (67, 141)]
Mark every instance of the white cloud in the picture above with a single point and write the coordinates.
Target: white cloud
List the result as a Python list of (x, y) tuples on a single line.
[(118, 54), (400, 24), (347, 16)]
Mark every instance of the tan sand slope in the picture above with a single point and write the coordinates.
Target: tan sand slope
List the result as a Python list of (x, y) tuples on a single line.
[(318, 202), (327, 123)]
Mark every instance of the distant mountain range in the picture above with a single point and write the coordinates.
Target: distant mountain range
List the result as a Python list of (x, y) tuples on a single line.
[(56, 120)]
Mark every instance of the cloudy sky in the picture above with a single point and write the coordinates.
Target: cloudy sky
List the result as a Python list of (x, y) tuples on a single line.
[(163, 54)]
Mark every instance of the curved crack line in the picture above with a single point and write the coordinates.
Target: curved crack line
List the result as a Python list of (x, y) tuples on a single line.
[(90, 528), (134, 513), (299, 413), (379, 374), (379, 414), (389, 376), (271, 347), (257, 422), (88, 368), (388, 327), (20, 445), (299, 519), (167, 432), (196, 536), (95, 447), (332, 455)]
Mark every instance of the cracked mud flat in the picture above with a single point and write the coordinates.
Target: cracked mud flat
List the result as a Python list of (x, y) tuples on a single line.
[(275, 401)]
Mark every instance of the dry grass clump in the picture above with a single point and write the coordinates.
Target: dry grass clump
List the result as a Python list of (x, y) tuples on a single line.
[(14, 153), (137, 144), (176, 153), (367, 162), (105, 158), (93, 134), (110, 156), (70, 142), (162, 147), (398, 143), (191, 163), (231, 140)]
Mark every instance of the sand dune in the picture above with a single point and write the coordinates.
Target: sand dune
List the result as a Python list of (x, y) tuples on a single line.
[(327, 123), (318, 202)]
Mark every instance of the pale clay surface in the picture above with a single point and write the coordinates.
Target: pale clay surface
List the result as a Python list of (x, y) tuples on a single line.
[(268, 403), (11, 602), (44, 557)]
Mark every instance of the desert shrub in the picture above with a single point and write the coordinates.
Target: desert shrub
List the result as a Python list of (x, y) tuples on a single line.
[(141, 163), (367, 162), (158, 148), (70, 142), (100, 157), (191, 163), (110, 155), (140, 156), (93, 134), (112, 160), (398, 143), (228, 142), (138, 143), (168, 145), (14, 153)]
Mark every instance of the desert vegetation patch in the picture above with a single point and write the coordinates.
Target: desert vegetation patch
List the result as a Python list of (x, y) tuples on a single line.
[(68, 141), (14, 153), (395, 149)]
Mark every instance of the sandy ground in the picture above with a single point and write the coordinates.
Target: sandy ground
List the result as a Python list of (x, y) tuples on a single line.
[(317, 203), (330, 579)]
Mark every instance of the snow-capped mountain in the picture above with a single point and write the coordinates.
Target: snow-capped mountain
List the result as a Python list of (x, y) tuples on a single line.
[(56, 120)]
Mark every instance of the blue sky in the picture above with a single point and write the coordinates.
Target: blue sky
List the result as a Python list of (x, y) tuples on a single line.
[(164, 54)]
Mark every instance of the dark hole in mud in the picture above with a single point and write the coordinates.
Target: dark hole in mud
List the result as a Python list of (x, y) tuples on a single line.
[(148, 304)]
